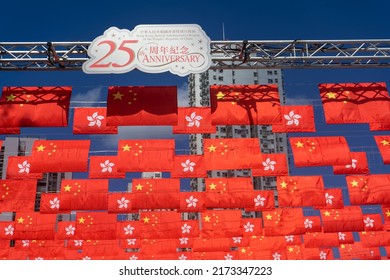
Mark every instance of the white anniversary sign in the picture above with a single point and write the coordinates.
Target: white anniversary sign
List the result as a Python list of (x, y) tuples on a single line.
[(179, 49)]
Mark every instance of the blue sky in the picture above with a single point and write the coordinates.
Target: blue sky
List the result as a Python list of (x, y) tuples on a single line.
[(43, 21)]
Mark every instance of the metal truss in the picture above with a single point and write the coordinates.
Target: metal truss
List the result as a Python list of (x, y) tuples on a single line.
[(286, 54)]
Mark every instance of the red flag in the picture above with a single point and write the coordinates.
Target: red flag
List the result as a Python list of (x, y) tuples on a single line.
[(251, 226), (317, 254), (192, 201), (286, 221), (60, 156), (375, 238), (9, 130), (260, 200), (350, 218), (7, 230), (320, 151), (369, 189), (357, 251), (146, 155), (120, 202), (194, 120), (321, 239), (104, 167), (333, 198), (245, 104), (95, 225), (235, 153), (273, 165), (383, 143), (142, 105), (372, 222), (221, 223), (84, 194), (160, 224), (297, 118), (92, 121), (50, 203), (189, 166), (156, 193), (34, 225), (17, 195), (128, 230), (355, 102), (296, 191), (18, 167), (67, 230), (34, 106), (358, 165)]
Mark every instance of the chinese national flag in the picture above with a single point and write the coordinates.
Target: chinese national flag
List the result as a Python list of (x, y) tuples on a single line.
[(17, 195), (189, 166), (357, 251), (192, 120), (375, 238), (34, 225), (287, 221), (34, 106), (221, 223), (192, 201), (298, 191), (350, 218), (211, 244), (18, 167), (104, 167), (142, 105), (146, 155), (358, 165), (386, 215), (245, 104), (355, 103), (273, 165), (369, 189), (235, 153), (321, 239), (260, 200), (229, 184), (296, 118), (320, 151), (92, 121), (120, 202), (156, 193), (84, 194), (95, 225), (60, 156), (160, 224), (383, 143)]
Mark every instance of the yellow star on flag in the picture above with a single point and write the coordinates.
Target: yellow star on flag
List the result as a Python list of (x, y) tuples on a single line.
[(20, 220), (327, 214), (126, 148), (331, 95), (212, 186), (146, 220), (139, 187), (207, 219), (220, 95), (10, 97), (81, 220), (388, 213), (299, 144), (384, 142), (284, 185), (269, 217), (67, 188), (354, 183), (212, 148), (40, 148), (118, 95)]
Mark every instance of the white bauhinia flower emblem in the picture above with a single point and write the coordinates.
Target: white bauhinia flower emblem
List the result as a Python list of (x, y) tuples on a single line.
[(70, 230), (25, 243), (228, 257), (191, 201), (188, 166), (322, 255), (183, 240), (292, 118), (78, 243), (39, 258), (353, 164), (193, 119), (128, 229), (308, 223), (249, 227), (237, 239), (341, 236), (259, 201), (368, 222), (289, 238), (9, 230), (55, 203), (329, 198), (276, 256), (185, 228), (269, 164), (24, 167), (87, 258), (131, 241), (133, 258), (95, 119), (107, 166), (182, 257), (122, 203)]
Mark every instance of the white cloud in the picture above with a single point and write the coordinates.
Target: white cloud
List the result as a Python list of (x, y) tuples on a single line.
[(182, 92), (93, 97)]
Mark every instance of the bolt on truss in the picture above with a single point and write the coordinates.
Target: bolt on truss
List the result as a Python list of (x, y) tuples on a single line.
[(245, 54)]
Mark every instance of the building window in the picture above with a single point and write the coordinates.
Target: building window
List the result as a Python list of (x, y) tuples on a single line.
[(269, 72), (276, 72), (276, 81), (220, 78), (255, 82), (254, 74), (270, 81)]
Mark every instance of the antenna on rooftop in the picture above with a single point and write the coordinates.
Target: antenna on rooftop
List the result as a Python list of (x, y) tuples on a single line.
[(223, 31)]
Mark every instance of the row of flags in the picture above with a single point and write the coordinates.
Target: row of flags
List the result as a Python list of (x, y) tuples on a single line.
[(158, 105), (218, 154), (165, 235)]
